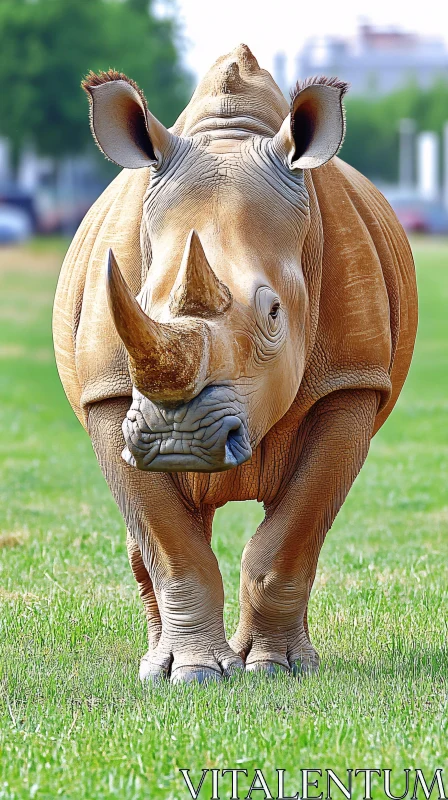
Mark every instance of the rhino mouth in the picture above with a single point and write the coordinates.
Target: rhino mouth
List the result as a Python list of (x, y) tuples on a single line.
[(207, 434)]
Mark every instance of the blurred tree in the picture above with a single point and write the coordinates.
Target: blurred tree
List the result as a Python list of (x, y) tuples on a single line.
[(46, 46), (371, 143)]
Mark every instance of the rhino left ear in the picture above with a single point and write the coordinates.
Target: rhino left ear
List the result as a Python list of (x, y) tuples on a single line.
[(314, 130), (122, 126)]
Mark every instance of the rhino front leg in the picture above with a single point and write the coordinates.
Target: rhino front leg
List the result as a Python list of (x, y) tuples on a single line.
[(279, 562), (174, 563), (146, 589)]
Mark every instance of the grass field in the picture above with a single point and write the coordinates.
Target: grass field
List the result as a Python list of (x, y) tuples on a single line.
[(74, 720)]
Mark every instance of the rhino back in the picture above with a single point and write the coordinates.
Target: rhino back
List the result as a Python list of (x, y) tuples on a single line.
[(398, 268), (90, 356), (367, 315)]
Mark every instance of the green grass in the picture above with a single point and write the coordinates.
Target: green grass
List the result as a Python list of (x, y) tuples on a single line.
[(75, 722)]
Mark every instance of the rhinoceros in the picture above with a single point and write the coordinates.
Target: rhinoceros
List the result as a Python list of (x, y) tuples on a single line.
[(234, 320)]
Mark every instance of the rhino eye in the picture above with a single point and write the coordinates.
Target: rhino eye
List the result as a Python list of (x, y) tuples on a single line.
[(274, 310)]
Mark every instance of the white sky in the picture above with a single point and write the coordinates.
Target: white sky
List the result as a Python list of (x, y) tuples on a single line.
[(213, 28)]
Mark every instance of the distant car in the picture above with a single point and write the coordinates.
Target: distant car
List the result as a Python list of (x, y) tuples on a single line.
[(12, 195), (15, 224), (421, 216)]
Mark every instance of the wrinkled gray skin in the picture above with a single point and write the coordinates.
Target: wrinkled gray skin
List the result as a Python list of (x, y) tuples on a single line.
[(206, 434)]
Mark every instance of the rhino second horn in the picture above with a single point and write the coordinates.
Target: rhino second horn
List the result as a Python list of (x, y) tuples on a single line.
[(197, 291), (167, 362)]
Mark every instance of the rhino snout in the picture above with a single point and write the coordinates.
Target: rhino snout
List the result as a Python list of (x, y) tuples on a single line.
[(207, 434)]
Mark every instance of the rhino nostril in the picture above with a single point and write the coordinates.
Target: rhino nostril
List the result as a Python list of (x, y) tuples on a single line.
[(233, 432), (237, 448), (230, 429), (233, 437)]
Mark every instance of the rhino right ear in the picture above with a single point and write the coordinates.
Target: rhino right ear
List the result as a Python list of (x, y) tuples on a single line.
[(123, 128), (314, 130)]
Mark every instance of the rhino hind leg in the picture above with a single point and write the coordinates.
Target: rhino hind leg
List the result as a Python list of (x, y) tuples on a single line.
[(279, 562), (147, 594), (170, 554)]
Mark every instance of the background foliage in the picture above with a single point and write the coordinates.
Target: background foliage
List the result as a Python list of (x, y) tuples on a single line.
[(47, 46), (371, 143)]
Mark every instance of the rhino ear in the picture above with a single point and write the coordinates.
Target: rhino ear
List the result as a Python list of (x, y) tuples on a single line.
[(123, 128), (314, 130)]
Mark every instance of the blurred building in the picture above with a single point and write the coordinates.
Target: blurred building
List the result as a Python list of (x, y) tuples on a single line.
[(376, 61)]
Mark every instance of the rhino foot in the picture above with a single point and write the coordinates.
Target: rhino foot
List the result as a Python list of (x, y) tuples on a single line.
[(304, 666), (156, 667), (195, 675), (289, 652), (270, 668), (152, 672)]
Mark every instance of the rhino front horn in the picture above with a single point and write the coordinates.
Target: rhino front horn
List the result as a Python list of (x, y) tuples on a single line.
[(167, 362), (197, 291), (137, 331)]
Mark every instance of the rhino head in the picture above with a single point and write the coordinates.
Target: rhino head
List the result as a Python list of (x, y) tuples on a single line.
[(218, 338)]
